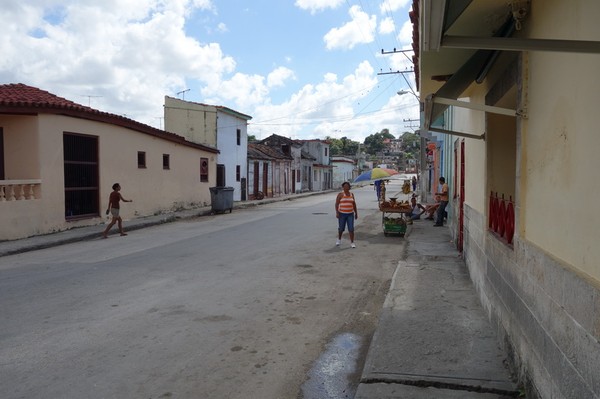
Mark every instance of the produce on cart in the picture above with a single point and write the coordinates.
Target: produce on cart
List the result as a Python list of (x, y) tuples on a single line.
[(392, 217)]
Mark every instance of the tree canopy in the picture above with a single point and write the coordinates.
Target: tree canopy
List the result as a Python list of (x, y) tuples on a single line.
[(343, 146), (374, 142)]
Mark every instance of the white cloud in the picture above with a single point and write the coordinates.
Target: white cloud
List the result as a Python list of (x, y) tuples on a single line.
[(333, 108), (129, 52), (386, 26), (317, 5), (279, 76), (405, 36), (388, 6), (221, 27), (361, 29)]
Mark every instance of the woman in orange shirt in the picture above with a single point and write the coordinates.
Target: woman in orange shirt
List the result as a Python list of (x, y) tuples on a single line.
[(346, 213)]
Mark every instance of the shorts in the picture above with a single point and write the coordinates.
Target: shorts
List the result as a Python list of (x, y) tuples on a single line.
[(346, 219), (114, 212)]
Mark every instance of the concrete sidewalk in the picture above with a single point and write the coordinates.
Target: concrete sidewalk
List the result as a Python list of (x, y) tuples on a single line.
[(433, 339)]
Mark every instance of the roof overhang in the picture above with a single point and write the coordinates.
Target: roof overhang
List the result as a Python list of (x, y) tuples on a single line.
[(461, 41)]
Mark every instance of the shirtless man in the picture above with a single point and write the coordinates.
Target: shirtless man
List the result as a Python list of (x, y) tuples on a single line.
[(113, 208)]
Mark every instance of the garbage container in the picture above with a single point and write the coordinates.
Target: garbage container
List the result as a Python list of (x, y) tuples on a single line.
[(221, 199)]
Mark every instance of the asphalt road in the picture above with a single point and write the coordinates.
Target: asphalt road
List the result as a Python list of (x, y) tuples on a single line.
[(240, 305)]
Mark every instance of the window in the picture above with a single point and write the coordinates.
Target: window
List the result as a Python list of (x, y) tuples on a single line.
[(239, 136), (298, 175), (204, 170), (141, 159), (166, 162), (238, 173), (326, 151)]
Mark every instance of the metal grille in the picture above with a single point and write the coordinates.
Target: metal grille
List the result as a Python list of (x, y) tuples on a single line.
[(502, 217), (81, 175)]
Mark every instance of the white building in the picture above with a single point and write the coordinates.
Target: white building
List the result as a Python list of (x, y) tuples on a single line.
[(343, 170), (215, 126)]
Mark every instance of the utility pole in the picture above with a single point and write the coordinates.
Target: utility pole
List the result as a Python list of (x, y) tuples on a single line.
[(411, 126)]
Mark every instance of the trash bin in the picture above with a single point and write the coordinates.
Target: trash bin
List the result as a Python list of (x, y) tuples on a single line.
[(221, 199)]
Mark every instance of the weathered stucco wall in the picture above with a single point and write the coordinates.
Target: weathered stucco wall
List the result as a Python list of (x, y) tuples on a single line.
[(196, 122), (560, 142), (153, 188)]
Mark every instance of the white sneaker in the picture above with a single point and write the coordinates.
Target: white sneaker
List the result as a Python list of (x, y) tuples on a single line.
[(337, 243), (352, 245)]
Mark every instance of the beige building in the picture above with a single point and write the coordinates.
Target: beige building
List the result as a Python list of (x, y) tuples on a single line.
[(509, 89), (59, 160), (219, 127)]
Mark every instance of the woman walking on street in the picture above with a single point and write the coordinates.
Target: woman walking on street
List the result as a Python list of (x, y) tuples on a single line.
[(346, 213), (113, 208)]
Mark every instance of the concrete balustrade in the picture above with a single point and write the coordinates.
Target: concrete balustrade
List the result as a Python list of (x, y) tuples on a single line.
[(19, 190)]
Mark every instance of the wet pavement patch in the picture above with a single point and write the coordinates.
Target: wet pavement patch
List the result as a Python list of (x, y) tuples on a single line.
[(329, 376)]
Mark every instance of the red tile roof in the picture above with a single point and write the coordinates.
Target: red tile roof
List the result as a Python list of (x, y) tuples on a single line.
[(17, 98), (20, 95), (262, 151)]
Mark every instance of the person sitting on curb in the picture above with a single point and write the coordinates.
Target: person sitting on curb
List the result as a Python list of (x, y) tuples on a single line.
[(431, 209), (416, 209)]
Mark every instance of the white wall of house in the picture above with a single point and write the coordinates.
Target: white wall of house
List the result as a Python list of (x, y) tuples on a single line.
[(39, 141), (343, 169), (232, 153)]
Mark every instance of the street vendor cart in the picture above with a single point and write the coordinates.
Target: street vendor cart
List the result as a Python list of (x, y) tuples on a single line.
[(393, 217)]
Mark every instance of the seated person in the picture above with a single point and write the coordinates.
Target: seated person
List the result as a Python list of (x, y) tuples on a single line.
[(416, 209), (430, 209)]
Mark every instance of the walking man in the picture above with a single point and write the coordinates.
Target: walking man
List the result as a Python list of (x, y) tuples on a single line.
[(113, 208)]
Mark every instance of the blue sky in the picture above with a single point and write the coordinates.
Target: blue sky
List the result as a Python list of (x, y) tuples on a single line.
[(301, 68)]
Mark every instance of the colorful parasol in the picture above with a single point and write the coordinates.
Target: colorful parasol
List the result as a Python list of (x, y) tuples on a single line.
[(375, 173)]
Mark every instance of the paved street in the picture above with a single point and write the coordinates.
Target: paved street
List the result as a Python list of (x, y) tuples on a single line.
[(238, 305)]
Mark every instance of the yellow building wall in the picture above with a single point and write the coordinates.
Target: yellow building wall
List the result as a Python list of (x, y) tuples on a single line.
[(467, 121), (20, 150), (560, 139), (196, 122)]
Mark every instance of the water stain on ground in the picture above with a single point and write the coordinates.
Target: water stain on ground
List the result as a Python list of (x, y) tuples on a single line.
[(329, 376)]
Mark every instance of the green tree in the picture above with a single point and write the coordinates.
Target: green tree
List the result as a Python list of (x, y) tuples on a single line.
[(374, 142), (343, 146), (411, 145)]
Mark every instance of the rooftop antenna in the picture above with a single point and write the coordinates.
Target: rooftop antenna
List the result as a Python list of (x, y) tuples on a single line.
[(182, 92), (90, 98), (160, 119)]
